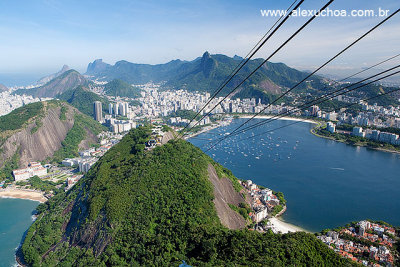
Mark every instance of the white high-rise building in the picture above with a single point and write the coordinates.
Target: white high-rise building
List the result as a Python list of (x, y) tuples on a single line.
[(122, 109), (111, 109), (331, 127)]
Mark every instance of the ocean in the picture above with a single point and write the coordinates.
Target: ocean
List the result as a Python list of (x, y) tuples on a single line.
[(326, 183), (15, 219)]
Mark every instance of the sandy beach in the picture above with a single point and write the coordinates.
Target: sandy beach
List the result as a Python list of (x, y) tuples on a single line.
[(284, 227), (280, 118), (22, 194)]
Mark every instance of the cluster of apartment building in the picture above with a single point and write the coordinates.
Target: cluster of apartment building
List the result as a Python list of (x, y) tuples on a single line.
[(33, 169), (263, 201), (9, 102), (156, 103), (372, 134), (87, 158), (371, 115), (114, 110), (119, 126), (377, 135), (119, 108), (178, 121), (377, 254)]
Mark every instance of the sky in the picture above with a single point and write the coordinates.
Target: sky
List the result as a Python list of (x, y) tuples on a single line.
[(38, 37)]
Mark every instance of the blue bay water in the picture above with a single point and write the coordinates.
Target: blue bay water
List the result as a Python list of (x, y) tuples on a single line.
[(15, 219), (326, 183)]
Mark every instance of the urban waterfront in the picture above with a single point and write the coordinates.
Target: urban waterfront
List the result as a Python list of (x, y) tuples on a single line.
[(326, 183), (15, 219)]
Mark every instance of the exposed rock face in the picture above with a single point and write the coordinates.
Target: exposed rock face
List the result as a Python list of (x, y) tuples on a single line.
[(225, 194), (43, 142), (270, 87), (97, 66)]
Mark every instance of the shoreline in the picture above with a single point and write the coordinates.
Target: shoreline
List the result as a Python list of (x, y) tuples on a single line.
[(281, 118), (212, 127), (312, 131), (207, 129), (22, 194), (279, 225)]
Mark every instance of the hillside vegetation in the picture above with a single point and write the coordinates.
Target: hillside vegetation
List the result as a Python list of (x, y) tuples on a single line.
[(43, 131), (67, 80), (83, 99), (155, 208), (122, 89), (83, 125), (18, 117)]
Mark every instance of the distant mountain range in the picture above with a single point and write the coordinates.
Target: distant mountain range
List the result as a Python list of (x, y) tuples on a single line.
[(205, 74)]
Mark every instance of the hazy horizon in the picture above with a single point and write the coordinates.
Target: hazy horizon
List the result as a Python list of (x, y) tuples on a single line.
[(44, 35)]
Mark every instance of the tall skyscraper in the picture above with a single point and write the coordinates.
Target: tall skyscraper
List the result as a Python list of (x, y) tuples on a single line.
[(110, 109), (122, 109), (97, 110)]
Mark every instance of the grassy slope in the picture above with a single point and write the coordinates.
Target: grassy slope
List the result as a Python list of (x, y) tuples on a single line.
[(155, 208)]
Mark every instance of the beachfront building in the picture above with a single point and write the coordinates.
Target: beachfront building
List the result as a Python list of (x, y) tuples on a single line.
[(331, 127), (358, 131), (34, 169), (259, 214)]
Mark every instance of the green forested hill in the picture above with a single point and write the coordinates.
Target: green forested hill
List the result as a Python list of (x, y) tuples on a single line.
[(120, 88), (155, 208), (58, 85), (83, 99), (20, 116)]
